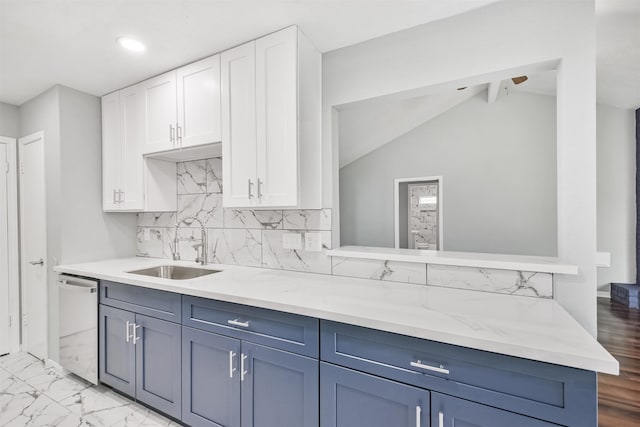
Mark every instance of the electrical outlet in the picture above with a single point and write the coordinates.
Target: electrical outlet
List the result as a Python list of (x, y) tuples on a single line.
[(292, 241), (313, 242)]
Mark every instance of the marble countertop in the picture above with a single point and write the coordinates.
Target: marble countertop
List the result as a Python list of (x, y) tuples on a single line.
[(537, 264), (531, 328)]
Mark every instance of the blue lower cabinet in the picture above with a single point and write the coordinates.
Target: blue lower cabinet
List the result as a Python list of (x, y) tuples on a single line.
[(117, 367), (352, 399), (158, 364), (279, 389), (451, 411), (210, 379)]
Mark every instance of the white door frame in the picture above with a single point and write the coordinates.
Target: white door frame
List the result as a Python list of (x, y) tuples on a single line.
[(396, 206), (21, 142), (14, 250)]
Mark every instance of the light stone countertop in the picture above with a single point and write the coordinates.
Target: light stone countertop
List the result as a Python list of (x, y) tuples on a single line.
[(537, 264), (532, 328)]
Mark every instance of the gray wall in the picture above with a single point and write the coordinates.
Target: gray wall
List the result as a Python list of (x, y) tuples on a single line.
[(616, 193), (77, 229), (498, 163), (9, 120)]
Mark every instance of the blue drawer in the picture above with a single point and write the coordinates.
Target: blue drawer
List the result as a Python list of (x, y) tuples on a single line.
[(285, 331), (150, 302), (559, 394)]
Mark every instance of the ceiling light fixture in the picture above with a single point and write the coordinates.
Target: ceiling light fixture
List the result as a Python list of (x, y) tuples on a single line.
[(131, 44)]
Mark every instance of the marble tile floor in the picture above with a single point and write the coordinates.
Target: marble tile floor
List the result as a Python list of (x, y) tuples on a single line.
[(32, 394)]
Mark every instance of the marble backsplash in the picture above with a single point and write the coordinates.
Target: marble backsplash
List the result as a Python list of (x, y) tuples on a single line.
[(235, 236), (253, 238)]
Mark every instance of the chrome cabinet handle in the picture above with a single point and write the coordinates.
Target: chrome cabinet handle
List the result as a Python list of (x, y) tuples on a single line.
[(236, 322), (39, 262), (120, 196), (249, 188), (135, 333), (171, 134), (128, 329), (259, 188), (115, 200), (242, 371), (179, 134), (63, 284), (418, 413), (420, 365), (231, 368), (440, 419)]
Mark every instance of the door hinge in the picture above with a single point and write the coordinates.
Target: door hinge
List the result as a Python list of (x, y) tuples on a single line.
[(6, 169), (22, 168)]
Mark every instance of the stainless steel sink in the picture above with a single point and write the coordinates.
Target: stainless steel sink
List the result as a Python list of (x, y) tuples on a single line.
[(175, 272)]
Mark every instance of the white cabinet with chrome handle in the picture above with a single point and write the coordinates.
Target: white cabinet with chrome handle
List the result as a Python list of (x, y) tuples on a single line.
[(271, 118)]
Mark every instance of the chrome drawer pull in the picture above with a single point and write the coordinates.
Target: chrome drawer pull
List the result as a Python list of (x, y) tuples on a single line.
[(440, 419), (236, 322), (128, 329), (418, 412), (135, 333), (440, 369)]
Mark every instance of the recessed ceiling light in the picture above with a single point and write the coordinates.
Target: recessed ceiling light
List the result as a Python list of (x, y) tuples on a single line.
[(131, 44)]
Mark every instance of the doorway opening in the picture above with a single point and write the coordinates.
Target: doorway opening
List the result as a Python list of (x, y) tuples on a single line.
[(418, 213)]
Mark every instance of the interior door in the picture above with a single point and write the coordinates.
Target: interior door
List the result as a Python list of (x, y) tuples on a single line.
[(33, 231), (199, 102), (5, 249), (277, 118), (238, 73), (160, 113)]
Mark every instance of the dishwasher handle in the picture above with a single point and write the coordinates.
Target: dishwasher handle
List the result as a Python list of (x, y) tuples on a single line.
[(77, 284)]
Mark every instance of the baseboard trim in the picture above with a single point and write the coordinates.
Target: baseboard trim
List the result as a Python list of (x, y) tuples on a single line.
[(604, 294)]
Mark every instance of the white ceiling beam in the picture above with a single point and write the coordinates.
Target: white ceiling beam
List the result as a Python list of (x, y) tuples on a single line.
[(492, 91)]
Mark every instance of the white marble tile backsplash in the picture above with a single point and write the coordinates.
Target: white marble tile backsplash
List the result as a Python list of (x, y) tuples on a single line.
[(235, 236)]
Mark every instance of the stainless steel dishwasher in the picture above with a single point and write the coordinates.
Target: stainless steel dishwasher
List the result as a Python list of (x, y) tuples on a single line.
[(78, 315)]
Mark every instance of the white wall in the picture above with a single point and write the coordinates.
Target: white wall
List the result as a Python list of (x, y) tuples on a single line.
[(77, 230), (9, 120), (505, 35), (498, 163), (616, 194)]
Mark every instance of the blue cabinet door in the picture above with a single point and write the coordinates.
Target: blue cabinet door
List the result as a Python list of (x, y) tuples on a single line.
[(354, 399), (279, 389), (210, 379), (158, 364), (451, 411), (117, 353)]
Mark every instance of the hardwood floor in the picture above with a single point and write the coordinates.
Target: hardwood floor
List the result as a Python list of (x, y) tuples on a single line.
[(619, 396)]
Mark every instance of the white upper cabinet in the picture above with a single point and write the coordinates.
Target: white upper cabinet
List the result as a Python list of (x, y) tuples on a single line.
[(160, 113), (198, 88), (122, 164), (271, 147), (111, 151), (277, 118), (131, 195), (239, 126)]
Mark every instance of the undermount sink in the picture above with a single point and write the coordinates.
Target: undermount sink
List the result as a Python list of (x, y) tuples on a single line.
[(175, 272)]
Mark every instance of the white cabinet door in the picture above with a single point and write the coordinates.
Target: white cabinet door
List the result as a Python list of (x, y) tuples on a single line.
[(198, 87), (277, 118), (111, 151), (160, 113), (132, 171), (239, 126)]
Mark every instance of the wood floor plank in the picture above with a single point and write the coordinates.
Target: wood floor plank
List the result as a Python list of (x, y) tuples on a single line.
[(619, 396)]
